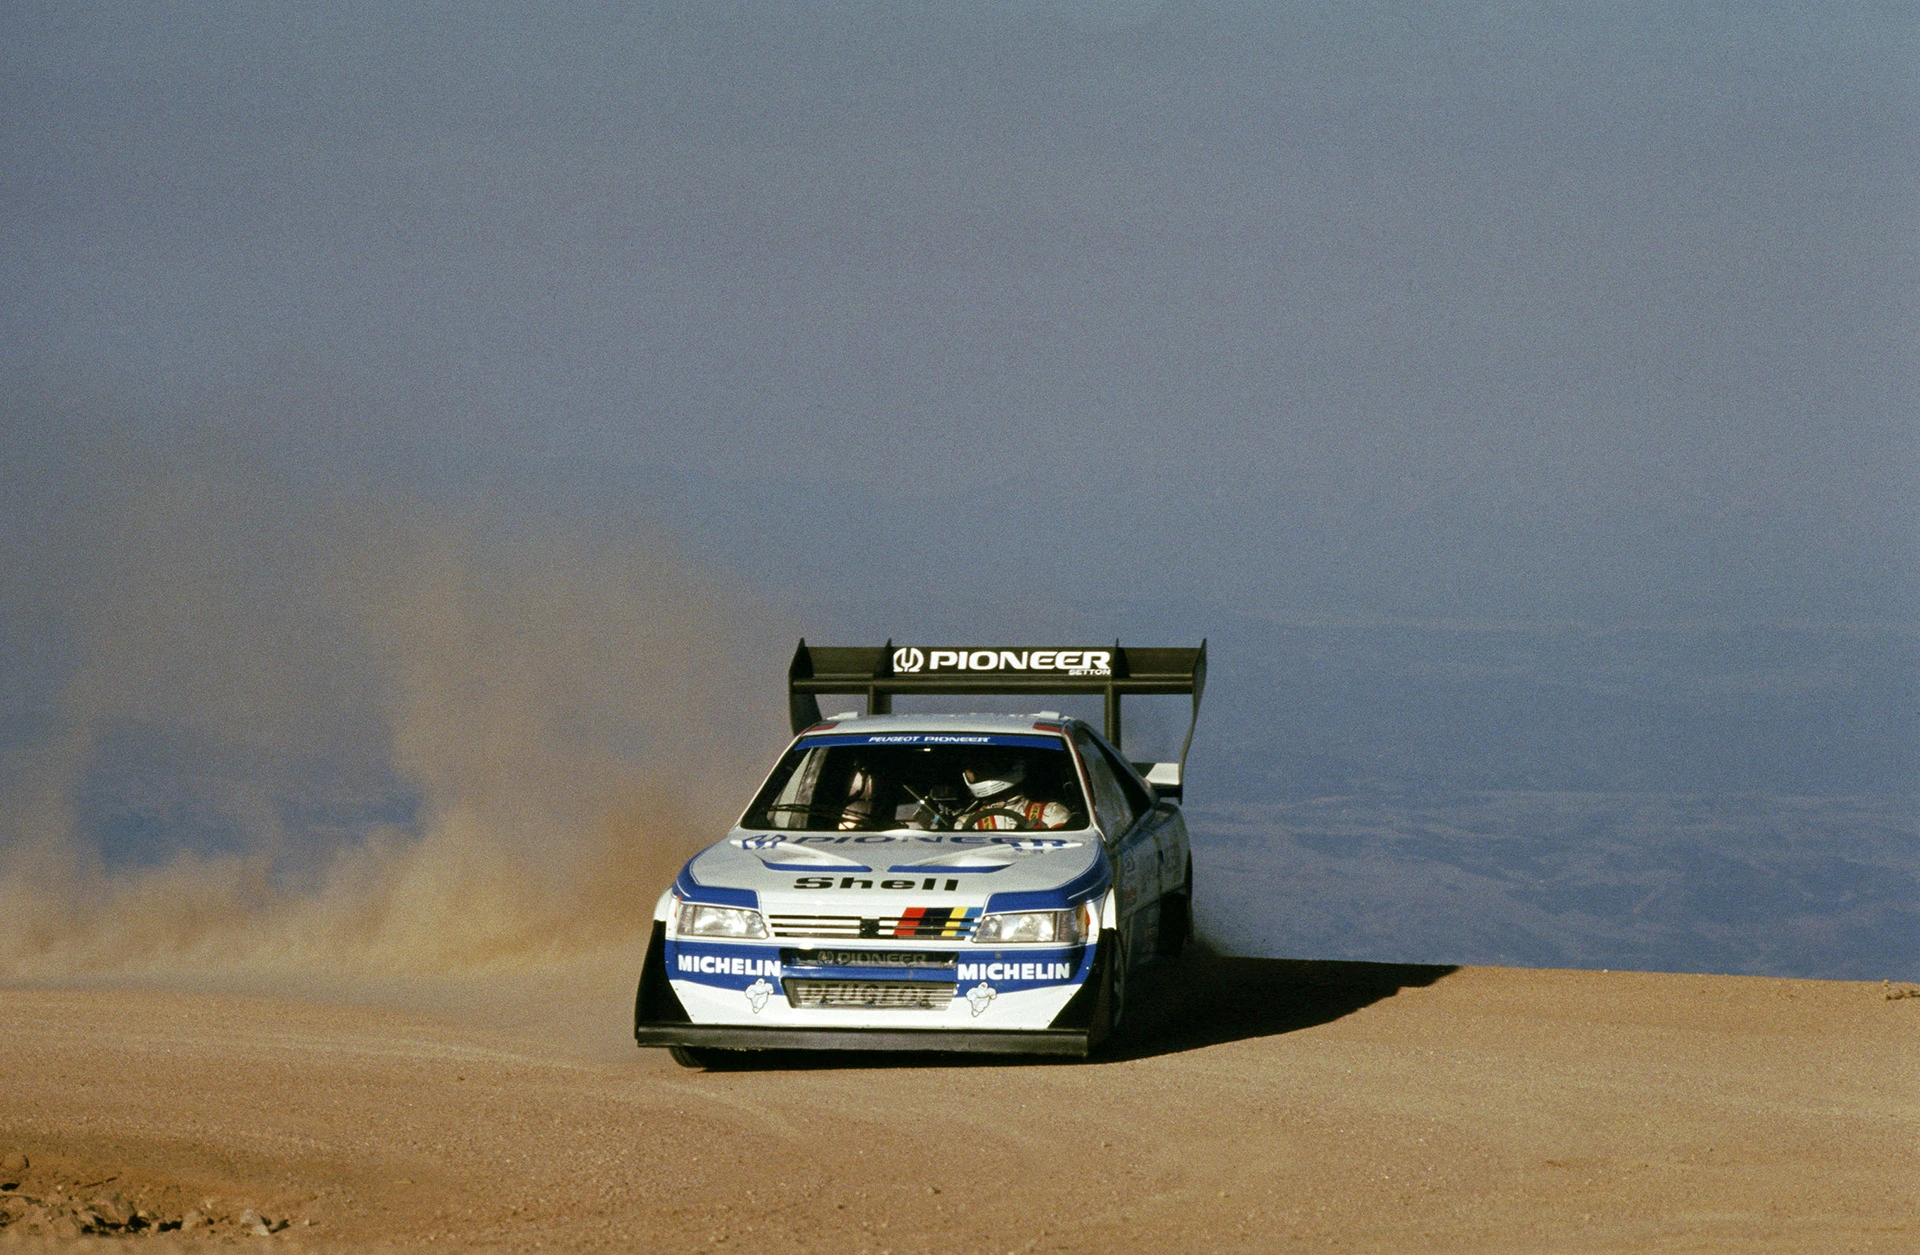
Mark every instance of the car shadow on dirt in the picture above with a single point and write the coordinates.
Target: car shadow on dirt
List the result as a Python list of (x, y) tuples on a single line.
[(1207, 999), (1200, 1000)]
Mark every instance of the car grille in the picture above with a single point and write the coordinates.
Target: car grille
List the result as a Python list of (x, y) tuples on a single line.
[(837, 956), (894, 995), (949, 922)]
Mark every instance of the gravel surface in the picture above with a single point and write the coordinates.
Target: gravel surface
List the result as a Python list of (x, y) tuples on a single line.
[(1260, 1106)]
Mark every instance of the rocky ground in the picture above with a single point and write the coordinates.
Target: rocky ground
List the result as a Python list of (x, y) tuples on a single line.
[(1261, 1105), (53, 1199)]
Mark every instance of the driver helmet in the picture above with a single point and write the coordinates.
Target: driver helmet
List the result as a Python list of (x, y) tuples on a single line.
[(990, 773)]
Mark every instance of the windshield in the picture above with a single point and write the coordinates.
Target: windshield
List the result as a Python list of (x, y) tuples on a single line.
[(871, 782)]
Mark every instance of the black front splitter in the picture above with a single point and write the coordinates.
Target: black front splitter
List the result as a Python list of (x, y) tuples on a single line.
[(1040, 1041)]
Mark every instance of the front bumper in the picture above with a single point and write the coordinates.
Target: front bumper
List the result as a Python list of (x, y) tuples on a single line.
[(661, 1020)]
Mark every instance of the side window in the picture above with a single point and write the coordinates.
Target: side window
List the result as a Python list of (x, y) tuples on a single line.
[(1137, 798), (1109, 801)]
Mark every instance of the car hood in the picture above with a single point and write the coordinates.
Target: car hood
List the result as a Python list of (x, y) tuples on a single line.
[(874, 872)]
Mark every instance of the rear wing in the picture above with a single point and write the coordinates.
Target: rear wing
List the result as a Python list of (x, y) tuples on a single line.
[(881, 672)]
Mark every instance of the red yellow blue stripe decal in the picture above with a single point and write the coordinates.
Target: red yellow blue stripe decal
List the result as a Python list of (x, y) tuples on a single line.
[(937, 921)]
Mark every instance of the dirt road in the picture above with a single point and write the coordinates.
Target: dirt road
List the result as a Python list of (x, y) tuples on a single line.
[(1262, 1106)]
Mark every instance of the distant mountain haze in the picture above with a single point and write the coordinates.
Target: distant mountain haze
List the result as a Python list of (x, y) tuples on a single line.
[(1520, 400)]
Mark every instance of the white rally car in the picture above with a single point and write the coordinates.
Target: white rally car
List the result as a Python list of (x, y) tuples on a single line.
[(932, 882)]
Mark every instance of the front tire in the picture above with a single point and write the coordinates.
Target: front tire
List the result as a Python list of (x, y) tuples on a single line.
[(690, 1057), (1176, 919), (1116, 993)]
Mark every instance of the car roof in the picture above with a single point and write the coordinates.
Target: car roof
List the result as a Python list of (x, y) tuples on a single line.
[(944, 723)]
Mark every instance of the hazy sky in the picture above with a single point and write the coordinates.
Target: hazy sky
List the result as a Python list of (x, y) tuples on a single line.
[(356, 358), (1496, 310)]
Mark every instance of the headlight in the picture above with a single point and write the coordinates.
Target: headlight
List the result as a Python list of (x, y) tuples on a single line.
[(697, 919), (1062, 928)]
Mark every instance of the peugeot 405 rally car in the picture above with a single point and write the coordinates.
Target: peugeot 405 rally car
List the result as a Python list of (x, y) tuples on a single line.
[(933, 882)]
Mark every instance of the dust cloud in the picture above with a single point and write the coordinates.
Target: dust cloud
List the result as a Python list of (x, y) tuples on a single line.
[(565, 711)]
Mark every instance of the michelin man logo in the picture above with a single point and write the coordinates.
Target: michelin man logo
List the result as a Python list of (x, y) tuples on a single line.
[(908, 660), (758, 993), (978, 997)]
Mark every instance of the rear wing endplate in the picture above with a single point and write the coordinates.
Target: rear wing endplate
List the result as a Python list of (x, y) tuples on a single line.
[(881, 672)]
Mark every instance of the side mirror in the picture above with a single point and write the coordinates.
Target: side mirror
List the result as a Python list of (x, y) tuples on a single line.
[(1164, 777)]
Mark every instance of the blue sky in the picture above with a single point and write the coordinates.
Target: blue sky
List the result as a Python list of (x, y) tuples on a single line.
[(1492, 312), (1521, 397)]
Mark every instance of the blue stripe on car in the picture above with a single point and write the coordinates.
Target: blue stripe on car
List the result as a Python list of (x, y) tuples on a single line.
[(691, 890), (1090, 883)]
